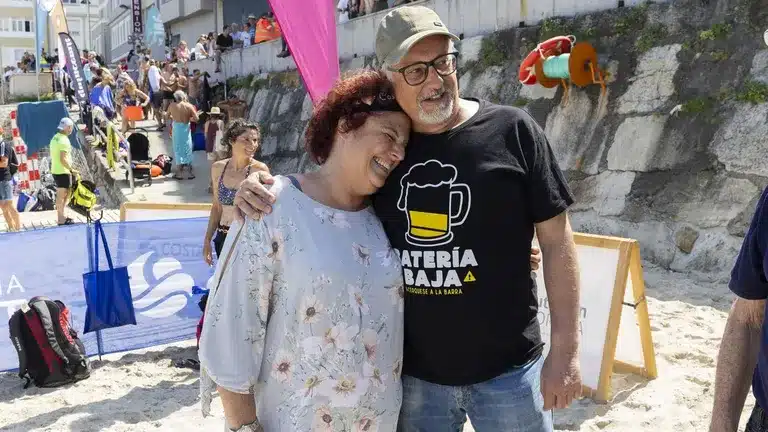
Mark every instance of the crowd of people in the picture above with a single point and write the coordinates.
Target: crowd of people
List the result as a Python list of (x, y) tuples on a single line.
[(349, 9)]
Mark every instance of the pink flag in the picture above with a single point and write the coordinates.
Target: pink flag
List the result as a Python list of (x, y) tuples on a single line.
[(309, 27)]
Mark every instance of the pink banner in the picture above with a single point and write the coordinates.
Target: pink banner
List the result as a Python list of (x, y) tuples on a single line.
[(309, 27)]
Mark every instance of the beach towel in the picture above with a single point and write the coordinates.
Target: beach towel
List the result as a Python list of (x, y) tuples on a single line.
[(182, 143), (38, 123)]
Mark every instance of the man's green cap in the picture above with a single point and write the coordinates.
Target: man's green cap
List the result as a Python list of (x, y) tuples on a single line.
[(402, 28)]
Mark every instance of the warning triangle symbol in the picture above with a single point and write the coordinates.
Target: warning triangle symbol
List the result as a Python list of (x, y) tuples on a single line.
[(469, 277)]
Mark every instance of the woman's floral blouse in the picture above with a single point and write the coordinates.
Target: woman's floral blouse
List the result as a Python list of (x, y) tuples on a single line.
[(309, 317)]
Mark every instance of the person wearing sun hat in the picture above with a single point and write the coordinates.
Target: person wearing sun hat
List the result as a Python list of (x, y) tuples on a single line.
[(477, 180), (213, 130), (61, 167)]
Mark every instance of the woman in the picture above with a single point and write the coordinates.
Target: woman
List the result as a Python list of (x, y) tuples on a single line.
[(101, 95), (182, 52), (130, 96), (182, 113), (307, 315), (200, 51), (241, 139)]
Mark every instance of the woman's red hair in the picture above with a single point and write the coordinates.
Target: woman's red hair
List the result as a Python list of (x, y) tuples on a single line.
[(343, 110)]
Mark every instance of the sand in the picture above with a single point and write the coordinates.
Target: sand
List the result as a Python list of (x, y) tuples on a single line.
[(141, 391)]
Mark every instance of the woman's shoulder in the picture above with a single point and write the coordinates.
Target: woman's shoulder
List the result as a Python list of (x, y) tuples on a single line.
[(259, 166)]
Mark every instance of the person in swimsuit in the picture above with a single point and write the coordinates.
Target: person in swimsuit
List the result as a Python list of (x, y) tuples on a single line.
[(130, 96), (241, 139), (182, 113)]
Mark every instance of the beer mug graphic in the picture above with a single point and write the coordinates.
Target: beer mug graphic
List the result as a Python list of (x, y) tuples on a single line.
[(433, 203)]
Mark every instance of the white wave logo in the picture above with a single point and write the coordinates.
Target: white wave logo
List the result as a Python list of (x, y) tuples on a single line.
[(166, 298)]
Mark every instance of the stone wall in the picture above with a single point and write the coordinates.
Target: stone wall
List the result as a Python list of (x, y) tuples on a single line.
[(673, 154)]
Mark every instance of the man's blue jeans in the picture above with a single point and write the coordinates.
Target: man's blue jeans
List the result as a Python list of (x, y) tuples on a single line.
[(511, 402)]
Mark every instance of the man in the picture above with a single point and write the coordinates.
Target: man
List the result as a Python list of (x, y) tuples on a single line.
[(195, 84), (156, 81), (461, 210), (224, 42), (7, 162), (251, 28), (743, 356), (167, 87), (61, 167)]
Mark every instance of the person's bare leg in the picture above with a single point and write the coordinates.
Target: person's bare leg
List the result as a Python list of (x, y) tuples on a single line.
[(61, 203), (15, 217), (7, 215)]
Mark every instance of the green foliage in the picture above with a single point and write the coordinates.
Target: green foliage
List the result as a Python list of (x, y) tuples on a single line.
[(650, 37), (753, 92), (28, 98), (520, 102), (717, 31), (552, 27), (698, 105), (719, 55), (490, 53), (633, 20)]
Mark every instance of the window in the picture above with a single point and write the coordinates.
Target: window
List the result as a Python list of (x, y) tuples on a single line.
[(69, 1), (75, 27), (120, 32), (21, 25)]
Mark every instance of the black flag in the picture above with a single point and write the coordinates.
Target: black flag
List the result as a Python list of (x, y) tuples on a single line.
[(138, 25), (74, 67)]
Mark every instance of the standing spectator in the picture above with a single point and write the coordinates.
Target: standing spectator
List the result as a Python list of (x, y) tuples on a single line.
[(252, 28), (61, 167), (168, 86), (7, 157), (156, 81), (195, 83), (130, 96), (237, 35), (245, 35), (182, 113)]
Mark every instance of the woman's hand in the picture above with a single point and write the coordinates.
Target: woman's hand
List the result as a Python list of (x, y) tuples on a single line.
[(208, 253), (252, 198), (535, 258)]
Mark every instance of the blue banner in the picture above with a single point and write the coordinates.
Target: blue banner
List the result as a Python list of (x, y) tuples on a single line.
[(41, 28), (154, 33), (164, 260)]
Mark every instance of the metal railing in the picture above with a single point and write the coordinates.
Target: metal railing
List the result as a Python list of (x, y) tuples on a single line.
[(98, 114)]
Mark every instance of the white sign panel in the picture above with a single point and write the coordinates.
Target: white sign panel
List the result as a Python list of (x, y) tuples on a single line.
[(597, 267)]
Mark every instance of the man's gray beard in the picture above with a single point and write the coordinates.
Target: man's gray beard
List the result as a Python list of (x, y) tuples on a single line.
[(437, 116)]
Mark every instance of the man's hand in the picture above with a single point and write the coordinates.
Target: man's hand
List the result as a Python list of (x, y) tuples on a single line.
[(560, 379), (252, 198), (535, 258)]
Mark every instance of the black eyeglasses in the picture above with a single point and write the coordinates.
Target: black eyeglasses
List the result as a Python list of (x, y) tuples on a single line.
[(418, 72)]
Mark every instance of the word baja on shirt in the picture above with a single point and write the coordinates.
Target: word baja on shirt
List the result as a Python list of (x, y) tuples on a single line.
[(424, 270)]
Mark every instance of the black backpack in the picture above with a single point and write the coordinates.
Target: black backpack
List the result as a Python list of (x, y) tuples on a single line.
[(50, 353)]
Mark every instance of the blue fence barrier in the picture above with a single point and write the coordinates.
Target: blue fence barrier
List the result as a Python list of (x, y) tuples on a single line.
[(164, 260)]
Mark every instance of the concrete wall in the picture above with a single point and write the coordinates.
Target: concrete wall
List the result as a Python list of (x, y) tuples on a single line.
[(466, 18), (190, 28), (27, 84)]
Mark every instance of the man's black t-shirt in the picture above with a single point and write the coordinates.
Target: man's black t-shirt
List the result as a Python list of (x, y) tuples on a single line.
[(224, 41), (460, 211)]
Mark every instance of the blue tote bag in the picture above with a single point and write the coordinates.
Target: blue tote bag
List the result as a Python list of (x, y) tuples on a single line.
[(107, 292)]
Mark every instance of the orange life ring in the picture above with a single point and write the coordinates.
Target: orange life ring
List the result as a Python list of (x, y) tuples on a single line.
[(554, 46)]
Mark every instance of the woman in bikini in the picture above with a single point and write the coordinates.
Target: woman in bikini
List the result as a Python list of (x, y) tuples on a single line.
[(241, 139)]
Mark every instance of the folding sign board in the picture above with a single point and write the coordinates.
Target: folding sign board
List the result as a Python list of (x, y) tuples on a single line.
[(135, 211), (613, 317)]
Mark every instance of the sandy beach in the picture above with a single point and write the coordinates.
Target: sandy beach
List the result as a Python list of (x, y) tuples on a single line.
[(142, 391)]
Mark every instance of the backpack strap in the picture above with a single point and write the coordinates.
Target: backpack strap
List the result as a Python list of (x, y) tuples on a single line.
[(14, 325)]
